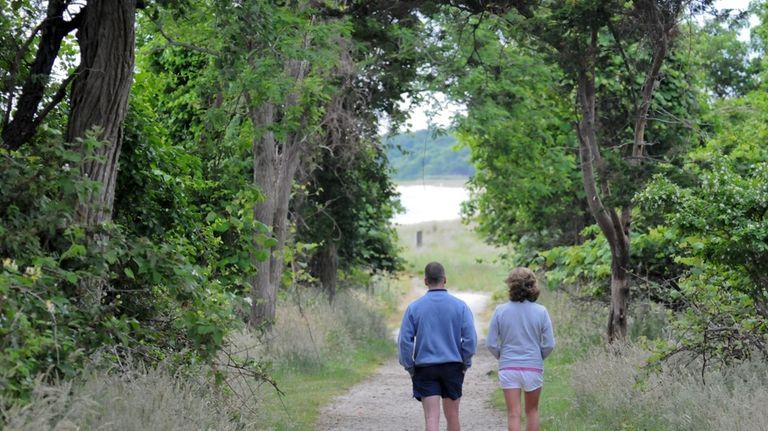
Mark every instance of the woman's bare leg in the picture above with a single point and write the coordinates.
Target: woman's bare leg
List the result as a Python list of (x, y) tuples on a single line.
[(532, 410), (512, 397)]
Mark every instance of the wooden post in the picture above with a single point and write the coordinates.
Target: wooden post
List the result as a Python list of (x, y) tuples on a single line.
[(418, 239)]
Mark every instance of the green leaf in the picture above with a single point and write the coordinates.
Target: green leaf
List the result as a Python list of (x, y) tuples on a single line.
[(75, 250), (71, 277)]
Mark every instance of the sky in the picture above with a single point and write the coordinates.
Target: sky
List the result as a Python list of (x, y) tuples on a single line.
[(444, 110)]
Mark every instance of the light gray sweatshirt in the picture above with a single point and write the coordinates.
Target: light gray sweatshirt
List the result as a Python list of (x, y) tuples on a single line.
[(520, 335)]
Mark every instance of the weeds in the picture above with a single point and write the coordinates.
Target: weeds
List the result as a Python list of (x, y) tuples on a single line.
[(151, 399), (614, 389)]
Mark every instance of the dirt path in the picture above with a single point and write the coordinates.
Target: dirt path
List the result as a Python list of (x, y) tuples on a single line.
[(384, 402)]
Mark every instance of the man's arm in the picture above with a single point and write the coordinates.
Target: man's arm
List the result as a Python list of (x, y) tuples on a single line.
[(468, 337), (492, 340), (405, 342)]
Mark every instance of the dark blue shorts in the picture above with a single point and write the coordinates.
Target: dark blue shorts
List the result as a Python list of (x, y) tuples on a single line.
[(442, 379)]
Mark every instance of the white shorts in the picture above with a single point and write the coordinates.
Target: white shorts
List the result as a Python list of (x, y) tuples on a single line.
[(528, 379)]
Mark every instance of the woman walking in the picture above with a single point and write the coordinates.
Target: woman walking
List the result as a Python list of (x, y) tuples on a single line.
[(520, 337)]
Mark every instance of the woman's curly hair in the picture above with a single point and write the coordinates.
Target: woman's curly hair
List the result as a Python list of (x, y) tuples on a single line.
[(522, 285)]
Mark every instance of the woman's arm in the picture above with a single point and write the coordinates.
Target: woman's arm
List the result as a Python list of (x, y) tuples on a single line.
[(547, 336), (492, 340)]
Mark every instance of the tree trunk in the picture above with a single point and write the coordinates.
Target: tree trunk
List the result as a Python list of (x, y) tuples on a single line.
[(100, 97), (275, 167), (594, 177), (26, 118), (617, 320), (99, 102), (326, 267), (265, 166)]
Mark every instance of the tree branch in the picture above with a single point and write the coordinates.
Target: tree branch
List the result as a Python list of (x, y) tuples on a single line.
[(13, 70), (52, 29), (173, 42), (55, 100)]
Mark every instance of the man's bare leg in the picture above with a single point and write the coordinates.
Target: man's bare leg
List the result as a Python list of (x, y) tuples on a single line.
[(431, 405), (514, 409), (451, 411)]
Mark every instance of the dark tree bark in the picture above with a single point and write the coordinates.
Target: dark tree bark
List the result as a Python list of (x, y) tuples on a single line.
[(99, 102), (100, 96), (325, 267), (26, 118)]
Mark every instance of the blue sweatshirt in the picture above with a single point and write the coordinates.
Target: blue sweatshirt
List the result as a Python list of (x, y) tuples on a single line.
[(437, 328), (520, 335)]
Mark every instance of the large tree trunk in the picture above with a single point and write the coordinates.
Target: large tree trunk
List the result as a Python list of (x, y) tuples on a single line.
[(275, 166), (265, 166), (99, 102), (100, 96), (26, 118)]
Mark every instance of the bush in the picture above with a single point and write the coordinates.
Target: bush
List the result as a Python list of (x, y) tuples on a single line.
[(158, 299)]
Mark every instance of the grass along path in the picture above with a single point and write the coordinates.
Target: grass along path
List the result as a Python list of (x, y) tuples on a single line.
[(307, 389)]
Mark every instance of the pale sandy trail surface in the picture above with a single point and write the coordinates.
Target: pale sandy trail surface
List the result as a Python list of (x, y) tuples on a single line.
[(384, 401)]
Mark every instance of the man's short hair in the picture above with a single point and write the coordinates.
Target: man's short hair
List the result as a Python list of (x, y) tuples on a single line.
[(434, 273)]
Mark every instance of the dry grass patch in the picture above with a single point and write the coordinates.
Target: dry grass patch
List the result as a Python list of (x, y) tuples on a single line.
[(138, 401), (614, 389)]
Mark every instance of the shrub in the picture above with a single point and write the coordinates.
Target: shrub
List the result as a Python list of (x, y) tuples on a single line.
[(159, 300)]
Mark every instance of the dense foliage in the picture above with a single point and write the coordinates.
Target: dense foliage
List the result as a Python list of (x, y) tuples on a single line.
[(163, 299), (719, 221), (527, 186)]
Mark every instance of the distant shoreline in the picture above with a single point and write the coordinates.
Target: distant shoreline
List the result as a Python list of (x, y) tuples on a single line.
[(435, 181)]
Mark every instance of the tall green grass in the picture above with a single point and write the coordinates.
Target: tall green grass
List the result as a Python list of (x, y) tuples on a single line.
[(470, 265)]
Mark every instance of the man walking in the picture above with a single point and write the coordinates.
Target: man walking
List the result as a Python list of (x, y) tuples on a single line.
[(437, 341)]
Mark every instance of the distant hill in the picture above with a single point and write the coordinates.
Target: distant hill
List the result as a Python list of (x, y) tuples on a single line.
[(425, 157)]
